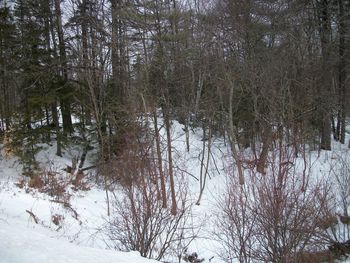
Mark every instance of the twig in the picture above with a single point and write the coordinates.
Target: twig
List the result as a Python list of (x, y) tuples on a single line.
[(69, 207), (88, 168), (33, 216)]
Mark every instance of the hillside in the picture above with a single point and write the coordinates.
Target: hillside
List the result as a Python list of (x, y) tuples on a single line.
[(72, 226)]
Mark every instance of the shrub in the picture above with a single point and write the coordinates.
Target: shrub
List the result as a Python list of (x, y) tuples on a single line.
[(140, 223), (274, 216)]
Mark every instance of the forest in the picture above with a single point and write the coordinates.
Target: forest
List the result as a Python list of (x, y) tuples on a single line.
[(269, 77)]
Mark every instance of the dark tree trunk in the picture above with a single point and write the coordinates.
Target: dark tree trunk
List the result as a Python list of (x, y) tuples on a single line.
[(57, 128), (160, 161), (266, 142), (325, 79), (65, 100), (340, 132), (117, 51), (170, 160)]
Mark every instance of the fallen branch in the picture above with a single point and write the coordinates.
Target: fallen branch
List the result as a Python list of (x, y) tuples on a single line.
[(33, 216), (88, 168)]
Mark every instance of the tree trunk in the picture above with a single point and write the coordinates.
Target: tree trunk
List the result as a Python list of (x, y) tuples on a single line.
[(233, 140), (325, 80), (57, 128), (344, 23), (116, 48), (160, 162), (170, 160), (266, 142), (204, 166), (65, 98)]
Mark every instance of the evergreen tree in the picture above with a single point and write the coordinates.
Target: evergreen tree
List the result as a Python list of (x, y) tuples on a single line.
[(8, 62)]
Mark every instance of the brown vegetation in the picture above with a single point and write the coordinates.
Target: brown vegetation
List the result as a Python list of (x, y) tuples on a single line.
[(275, 215)]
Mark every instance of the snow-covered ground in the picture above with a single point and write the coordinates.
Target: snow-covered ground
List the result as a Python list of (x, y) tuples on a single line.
[(28, 232), (22, 241)]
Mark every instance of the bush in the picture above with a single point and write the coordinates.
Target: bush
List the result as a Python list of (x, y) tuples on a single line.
[(139, 222), (275, 216)]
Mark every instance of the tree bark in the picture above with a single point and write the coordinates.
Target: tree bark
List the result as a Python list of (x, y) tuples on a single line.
[(325, 80), (57, 128), (65, 98), (232, 139), (160, 162), (170, 160), (116, 50), (340, 131), (204, 166)]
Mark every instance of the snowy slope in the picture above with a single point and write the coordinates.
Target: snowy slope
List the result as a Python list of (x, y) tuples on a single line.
[(27, 231), (26, 243), (22, 240), (79, 236)]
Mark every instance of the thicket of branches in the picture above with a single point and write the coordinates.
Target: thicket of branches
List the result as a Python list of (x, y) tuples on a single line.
[(244, 67), (284, 215)]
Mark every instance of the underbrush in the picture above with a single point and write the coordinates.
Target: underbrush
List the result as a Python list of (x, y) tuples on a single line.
[(54, 182), (139, 223), (285, 215)]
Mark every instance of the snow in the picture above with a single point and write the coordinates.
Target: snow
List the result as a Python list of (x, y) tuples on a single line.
[(22, 241), (25, 241), (79, 237)]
